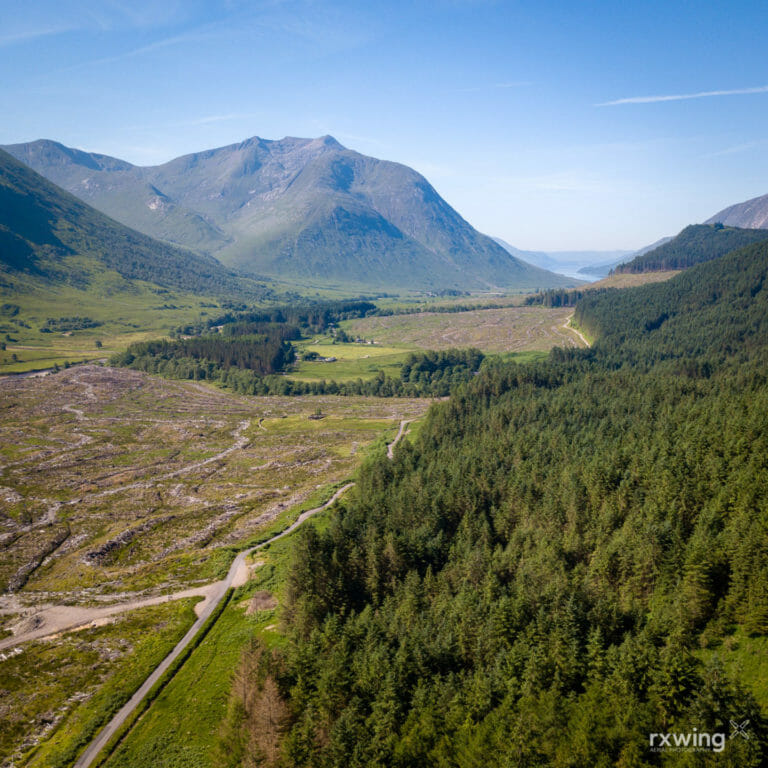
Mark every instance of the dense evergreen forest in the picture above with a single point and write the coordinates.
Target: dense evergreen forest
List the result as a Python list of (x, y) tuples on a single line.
[(696, 244), (553, 569), (262, 351), (559, 297)]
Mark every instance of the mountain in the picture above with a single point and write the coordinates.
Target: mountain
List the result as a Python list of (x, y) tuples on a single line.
[(752, 214), (652, 247), (695, 244), (306, 209), (120, 190), (600, 270), (50, 235)]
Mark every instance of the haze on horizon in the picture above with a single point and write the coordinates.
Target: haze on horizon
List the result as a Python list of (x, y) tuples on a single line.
[(552, 126)]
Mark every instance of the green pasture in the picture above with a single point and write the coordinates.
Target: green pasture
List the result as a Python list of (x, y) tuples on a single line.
[(353, 361)]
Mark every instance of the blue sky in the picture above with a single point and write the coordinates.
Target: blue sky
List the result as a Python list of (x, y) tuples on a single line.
[(554, 125)]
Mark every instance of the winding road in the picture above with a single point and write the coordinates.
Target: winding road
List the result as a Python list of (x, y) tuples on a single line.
[(391, 447), (237, 575), (567, 325)]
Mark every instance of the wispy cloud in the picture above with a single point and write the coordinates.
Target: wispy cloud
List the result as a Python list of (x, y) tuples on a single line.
[(27, 35), (208, 119), (30, 21), (737, 149), (156, 46), (683, 96)]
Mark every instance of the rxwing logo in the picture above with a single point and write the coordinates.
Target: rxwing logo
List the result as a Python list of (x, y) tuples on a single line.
[(739, 729)]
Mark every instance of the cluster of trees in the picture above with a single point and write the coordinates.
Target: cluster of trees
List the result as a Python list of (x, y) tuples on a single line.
[(311, 317), (545, 576), (428, 374), (62, 324), (212, 355), (432, 367), (246, 358), (249, 349), (559, 297)]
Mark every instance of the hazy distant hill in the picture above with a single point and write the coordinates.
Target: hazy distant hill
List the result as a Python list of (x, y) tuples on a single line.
[(570, 262), (296, 208), (603, 270), (695, 244), (48, 234), (751, 214)]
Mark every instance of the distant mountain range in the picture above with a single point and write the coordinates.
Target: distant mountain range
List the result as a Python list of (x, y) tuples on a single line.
[(751, 214), (50, 236), (300, 209)]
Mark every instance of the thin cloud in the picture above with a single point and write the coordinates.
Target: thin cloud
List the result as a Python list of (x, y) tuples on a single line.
[(156, 46), (738, 149), (214, 119), (683, 96), (33, 34)]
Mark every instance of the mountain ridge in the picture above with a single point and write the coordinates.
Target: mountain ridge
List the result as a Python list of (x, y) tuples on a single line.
[(295, 208), (49, 234), (751, 214), (695, 244)]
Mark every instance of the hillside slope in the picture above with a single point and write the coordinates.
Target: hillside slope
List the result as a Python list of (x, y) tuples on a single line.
[(306, 209), (48, 234), (751, 214), (569, 557), (696, 244)]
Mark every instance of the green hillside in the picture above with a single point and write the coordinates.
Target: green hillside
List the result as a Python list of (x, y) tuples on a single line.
[(696, 244), (70, 276), (42, 228), (120, 190), (556, 567)]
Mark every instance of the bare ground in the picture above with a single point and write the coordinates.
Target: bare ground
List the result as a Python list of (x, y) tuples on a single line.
[(150, 478)]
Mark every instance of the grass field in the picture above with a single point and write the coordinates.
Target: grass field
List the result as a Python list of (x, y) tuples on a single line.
[(181, 727), (510, 329), (353, 361), (123, 316)]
